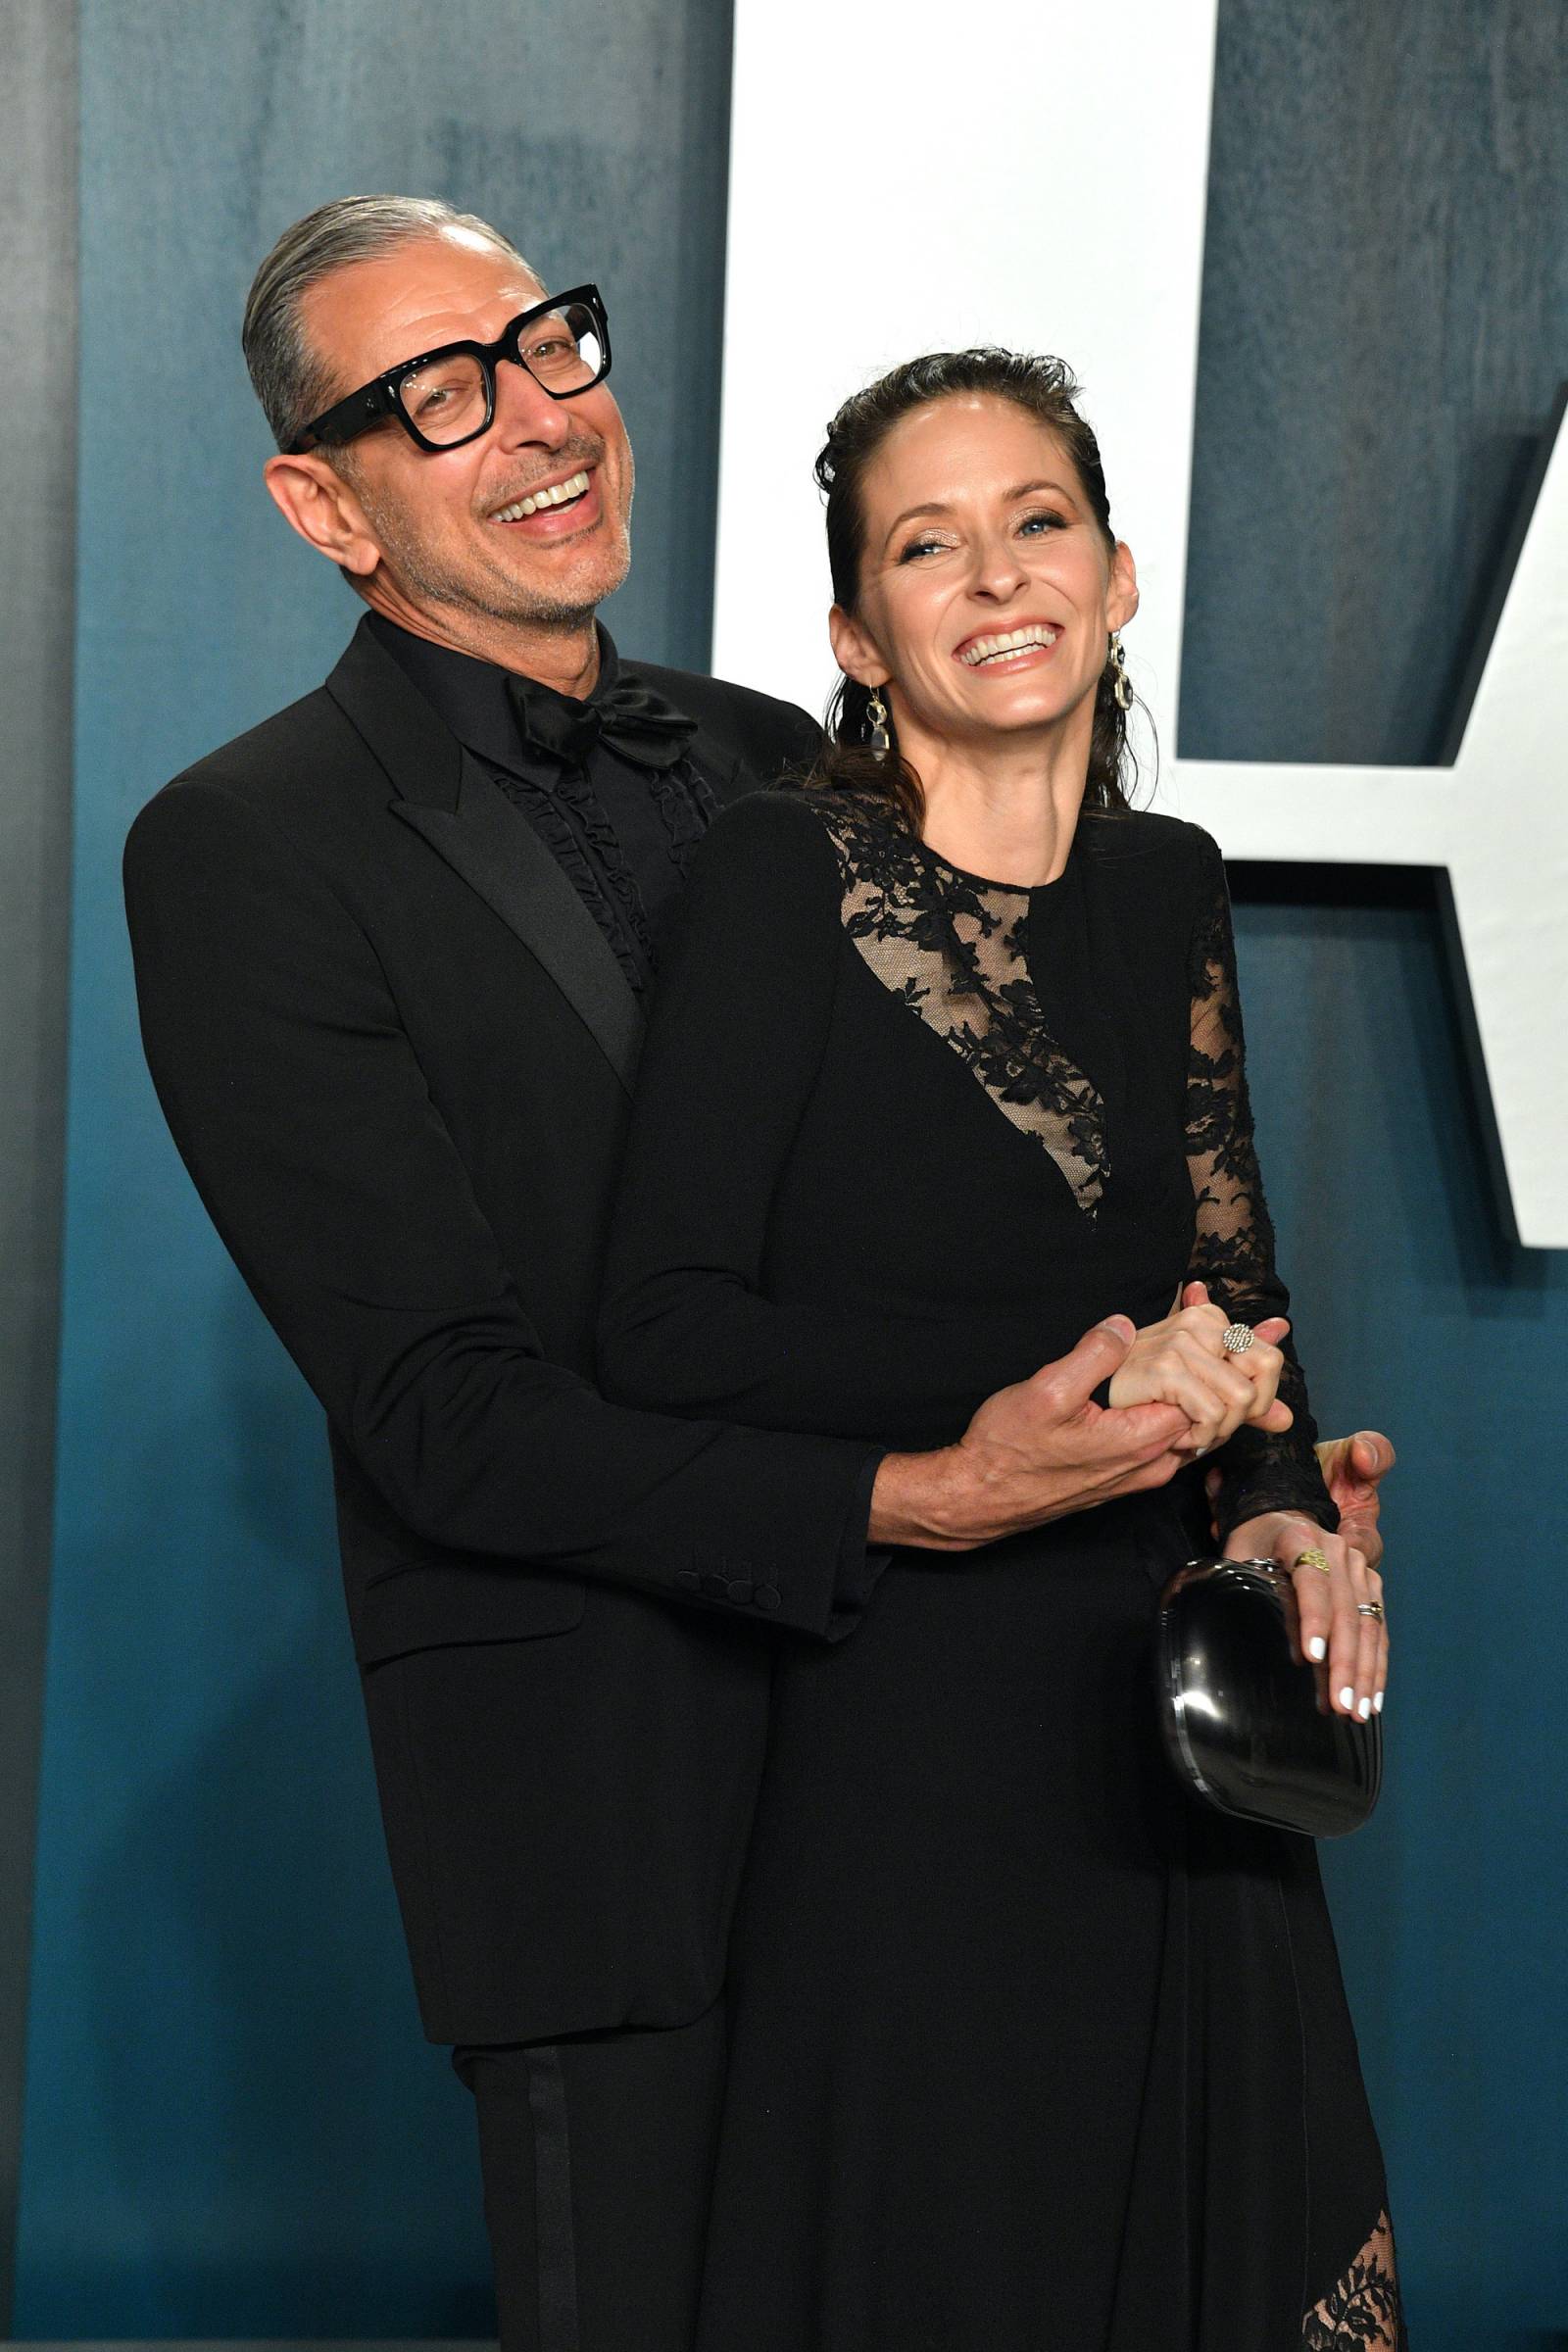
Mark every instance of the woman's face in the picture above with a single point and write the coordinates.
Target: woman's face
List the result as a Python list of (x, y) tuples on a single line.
[(987, 589)]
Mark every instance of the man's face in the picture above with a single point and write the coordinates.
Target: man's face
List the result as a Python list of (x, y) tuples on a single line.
[(444, 541)]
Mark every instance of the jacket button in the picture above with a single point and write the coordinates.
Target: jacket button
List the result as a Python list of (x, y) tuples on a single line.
[(741, 1588), (689, 1578), (768, 1596), (716, 1586)]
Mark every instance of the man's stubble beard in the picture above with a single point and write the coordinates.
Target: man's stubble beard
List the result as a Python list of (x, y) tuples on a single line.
[(420, 572)]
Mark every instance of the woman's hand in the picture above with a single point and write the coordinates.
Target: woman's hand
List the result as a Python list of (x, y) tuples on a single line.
[(1182, 1360), (1329, 1602)]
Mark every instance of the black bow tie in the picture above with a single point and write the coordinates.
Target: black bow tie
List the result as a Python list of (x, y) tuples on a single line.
[(626, 716)]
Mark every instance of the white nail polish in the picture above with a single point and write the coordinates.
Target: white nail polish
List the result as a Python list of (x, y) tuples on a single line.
[(1364, 1709), (1347, 1698), (1317, 1649), (1377, 1704)]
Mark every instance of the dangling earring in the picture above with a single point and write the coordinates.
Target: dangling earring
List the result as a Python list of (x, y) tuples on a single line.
[(1120, 683), (876, 725)]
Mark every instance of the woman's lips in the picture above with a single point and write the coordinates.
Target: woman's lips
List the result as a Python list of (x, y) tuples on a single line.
[(1009, 650)]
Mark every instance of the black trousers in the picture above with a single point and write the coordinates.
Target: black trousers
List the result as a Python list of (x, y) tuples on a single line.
[(597, 2157)]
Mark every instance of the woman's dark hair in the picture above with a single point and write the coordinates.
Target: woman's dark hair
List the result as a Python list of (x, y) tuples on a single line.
[(1044, 389)]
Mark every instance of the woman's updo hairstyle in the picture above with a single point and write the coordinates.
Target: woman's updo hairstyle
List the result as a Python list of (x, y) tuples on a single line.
[(1046, 389)]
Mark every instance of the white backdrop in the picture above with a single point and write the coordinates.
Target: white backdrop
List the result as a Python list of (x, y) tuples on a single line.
[(905, 180)]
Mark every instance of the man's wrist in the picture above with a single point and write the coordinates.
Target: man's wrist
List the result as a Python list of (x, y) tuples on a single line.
[(923, 1500)]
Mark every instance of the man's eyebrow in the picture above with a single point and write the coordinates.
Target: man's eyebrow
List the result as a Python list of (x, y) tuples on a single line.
[(1019, 490)]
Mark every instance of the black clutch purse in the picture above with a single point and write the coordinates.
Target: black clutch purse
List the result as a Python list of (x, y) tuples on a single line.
[(1247, 1721)]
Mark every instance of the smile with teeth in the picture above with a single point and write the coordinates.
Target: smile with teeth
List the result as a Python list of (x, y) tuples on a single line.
[(1038, 635), (560, 494)]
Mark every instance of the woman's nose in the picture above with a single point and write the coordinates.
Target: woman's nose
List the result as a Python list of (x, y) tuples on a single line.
[(999, 573)]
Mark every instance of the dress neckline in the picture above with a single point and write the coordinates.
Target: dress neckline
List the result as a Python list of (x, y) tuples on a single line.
[(1015, 890)]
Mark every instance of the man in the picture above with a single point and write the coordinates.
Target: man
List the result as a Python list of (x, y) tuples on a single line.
[(391, 948)]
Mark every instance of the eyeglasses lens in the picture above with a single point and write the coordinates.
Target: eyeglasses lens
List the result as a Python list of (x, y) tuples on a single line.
[(446, 401), (564, 350)]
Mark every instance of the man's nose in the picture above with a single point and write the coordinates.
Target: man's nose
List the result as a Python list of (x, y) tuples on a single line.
[(525, 413)]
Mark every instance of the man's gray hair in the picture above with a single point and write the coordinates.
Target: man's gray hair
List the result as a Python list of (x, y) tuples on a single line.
[(292, 382)]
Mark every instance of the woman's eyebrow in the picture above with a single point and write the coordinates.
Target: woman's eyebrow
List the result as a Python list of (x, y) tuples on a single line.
[(1019, 490), (910, 513), (1025, 489)]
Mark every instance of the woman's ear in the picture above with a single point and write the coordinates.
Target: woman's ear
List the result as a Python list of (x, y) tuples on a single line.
[(1122, 596), (855, 650), (316, 499)]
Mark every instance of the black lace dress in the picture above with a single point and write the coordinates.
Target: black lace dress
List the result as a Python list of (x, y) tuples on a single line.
[(1027, 2050)]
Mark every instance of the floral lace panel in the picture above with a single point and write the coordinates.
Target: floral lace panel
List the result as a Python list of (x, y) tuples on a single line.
[(953, 951), (1233, 1245), (1235, 1240), (1360, 2313)]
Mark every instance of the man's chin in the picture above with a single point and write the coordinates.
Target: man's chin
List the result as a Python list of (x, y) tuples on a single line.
[(502, 589), (575, 594)]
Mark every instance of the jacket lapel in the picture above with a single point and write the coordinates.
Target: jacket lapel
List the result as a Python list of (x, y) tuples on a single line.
[(446, 796), (498, 853)]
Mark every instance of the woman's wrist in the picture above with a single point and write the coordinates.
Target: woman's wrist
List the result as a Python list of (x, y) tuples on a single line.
[(1268, 1531)]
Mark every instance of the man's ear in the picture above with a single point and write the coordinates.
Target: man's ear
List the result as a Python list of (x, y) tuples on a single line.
[(855, 650), (317, 502), (1121, 598)]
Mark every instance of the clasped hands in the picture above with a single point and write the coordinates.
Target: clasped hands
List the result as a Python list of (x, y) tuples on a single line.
[(1044, 1448)]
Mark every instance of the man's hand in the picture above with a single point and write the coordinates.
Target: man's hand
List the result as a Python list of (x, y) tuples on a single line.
[(1032, 1452), (1353, 1469)]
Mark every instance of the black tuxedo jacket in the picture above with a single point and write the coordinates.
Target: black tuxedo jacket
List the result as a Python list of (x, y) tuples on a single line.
[(396, 1053)]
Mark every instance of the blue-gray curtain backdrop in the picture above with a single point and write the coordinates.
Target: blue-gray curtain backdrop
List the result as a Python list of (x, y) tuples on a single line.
[(1384, 327), (38, 303), (231, 2126)]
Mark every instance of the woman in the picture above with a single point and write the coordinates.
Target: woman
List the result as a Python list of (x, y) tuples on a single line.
[(1027, 2050)]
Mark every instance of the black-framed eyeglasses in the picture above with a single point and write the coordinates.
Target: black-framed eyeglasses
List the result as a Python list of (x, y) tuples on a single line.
[(448, 396)]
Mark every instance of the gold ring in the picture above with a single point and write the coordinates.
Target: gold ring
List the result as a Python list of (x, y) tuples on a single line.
[(1312, 1557), (1369, 1608)]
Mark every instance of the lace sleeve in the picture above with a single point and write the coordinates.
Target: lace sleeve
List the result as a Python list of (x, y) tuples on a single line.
[(1233, 1248)]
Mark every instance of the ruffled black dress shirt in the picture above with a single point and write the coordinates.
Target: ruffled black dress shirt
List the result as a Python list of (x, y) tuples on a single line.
[(609, 781)]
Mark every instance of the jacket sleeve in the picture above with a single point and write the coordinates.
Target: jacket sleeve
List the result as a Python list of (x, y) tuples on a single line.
[(800, 740), (737, 1035), (303, 1114)]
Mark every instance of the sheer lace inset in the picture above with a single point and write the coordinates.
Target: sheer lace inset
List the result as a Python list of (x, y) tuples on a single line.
[(953, 949), (1360, 2313), (1233, 1245), (1233, 1250)]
